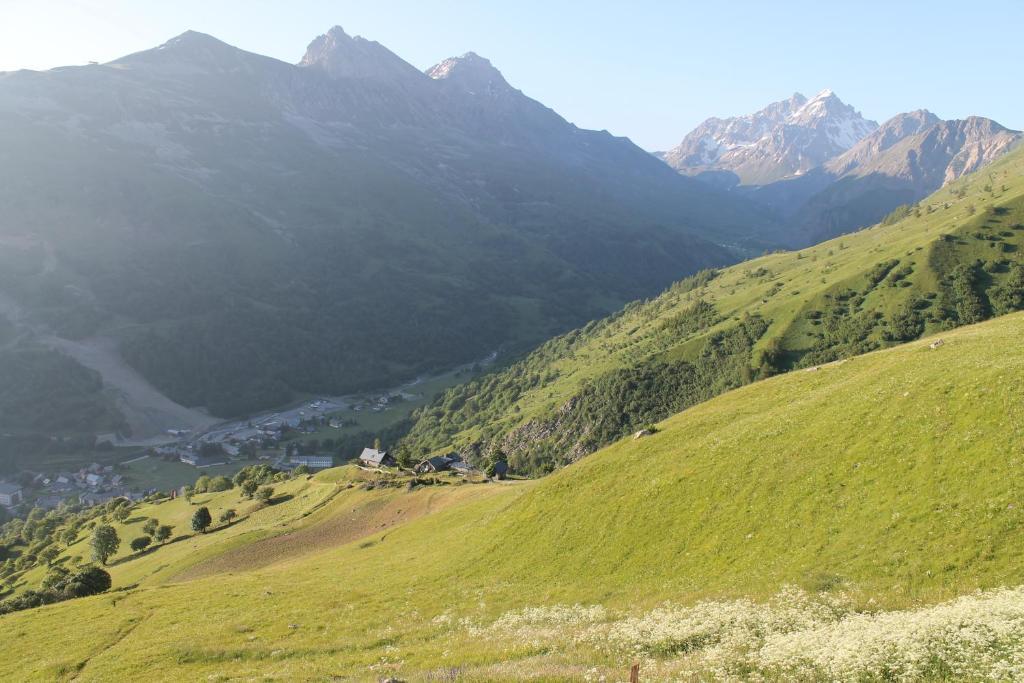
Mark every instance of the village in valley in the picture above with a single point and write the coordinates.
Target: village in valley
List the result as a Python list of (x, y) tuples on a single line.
[(317, 434)]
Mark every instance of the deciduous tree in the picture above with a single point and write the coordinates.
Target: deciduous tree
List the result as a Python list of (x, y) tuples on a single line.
[(163, 533), (105, 543), (201, 520)]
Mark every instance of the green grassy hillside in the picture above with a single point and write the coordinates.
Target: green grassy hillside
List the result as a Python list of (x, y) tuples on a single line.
[(951, 260), (888, 481), (260, 534)]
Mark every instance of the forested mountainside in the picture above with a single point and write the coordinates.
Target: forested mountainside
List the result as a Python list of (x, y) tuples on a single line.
[(824, 170), (953, 259), (763, 532), (245, 230)]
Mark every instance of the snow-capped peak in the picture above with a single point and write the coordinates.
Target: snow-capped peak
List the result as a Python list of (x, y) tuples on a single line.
[(842, 124), (792, 136)]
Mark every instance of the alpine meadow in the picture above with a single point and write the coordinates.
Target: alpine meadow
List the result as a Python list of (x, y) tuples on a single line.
[(341, 365)]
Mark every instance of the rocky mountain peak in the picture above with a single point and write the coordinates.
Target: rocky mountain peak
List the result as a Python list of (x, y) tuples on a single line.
[(321, 48), (193, 52), (470, 72), (981, 126), (343, 56), (890, 133), (192, 40), (843, 125), (786, 138)]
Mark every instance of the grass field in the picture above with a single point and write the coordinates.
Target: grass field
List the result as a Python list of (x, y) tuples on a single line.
[(152, 472), (890, 481)]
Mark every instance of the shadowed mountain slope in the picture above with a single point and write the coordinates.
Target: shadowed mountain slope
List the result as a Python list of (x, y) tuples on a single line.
[(247, 231)]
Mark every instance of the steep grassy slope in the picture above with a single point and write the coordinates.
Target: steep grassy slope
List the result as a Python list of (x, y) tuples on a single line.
[(307, 514), (953, 259), (893, 478)]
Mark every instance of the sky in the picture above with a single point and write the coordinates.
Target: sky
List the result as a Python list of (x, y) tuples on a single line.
[(649, 70)]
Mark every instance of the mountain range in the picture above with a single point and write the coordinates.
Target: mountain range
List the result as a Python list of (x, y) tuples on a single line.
[(235, 231), (823, 169), (196, 231)]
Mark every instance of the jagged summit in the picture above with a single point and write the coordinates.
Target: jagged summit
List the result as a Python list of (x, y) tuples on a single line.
[(343, 56), (321, 47), (785, 139), (842, 124)]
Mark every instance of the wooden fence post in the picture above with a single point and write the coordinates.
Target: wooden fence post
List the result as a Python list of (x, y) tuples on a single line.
[(634, 673)]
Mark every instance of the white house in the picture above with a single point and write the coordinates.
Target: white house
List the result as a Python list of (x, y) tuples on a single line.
[(10, 494), (313, 462), (371, 457)]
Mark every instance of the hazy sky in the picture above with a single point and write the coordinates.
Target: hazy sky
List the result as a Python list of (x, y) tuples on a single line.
[(649, 70)]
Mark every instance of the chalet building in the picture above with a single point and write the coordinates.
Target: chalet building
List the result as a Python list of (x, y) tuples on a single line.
[(371, 457), (10, 495), (462, 467), (439, 463)]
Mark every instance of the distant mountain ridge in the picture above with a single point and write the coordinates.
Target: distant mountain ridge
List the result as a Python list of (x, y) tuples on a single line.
[(824, 169), (911, 156), (785, 139), (932, 151), (246, 231)]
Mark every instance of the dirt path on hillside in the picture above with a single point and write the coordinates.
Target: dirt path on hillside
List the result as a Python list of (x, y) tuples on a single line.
[(349, 521)]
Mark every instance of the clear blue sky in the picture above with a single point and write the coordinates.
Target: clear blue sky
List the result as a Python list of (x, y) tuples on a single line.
[(650, 70)]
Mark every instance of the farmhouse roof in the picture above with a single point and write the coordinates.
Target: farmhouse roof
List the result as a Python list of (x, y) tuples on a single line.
[(373, 455)]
